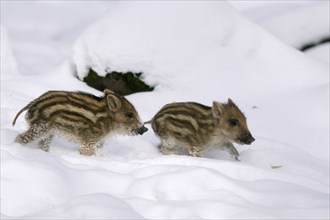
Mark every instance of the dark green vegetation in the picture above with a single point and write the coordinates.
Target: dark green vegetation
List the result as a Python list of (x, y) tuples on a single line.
[(314, 44), (121, 83)]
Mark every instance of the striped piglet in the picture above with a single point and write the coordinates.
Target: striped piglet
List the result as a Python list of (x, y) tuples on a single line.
[(81, 117), (196, 128)]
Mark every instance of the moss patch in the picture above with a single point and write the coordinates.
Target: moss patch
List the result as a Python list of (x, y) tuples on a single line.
[(121, 83)]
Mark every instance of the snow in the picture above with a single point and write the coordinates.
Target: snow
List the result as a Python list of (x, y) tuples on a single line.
[(283, 92), (8, 63), (185, 51), (42, 47), (321, 52), (296, 23)]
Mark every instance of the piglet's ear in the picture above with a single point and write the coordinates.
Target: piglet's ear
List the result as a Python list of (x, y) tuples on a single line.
[(230, 102), (217, 109), (114, 103)]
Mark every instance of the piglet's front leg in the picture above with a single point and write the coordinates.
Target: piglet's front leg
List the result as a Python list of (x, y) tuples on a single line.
[(229, 147)]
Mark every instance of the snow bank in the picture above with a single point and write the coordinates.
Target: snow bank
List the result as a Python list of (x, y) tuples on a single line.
[(294, 22), (205, 41), (62, 184), (203, 51), (304, 25)]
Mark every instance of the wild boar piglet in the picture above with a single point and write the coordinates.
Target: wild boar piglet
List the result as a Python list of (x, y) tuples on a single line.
[(197, 128), (81, 117)]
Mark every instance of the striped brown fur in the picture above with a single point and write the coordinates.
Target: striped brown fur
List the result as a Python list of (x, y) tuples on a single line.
[(197, 127), (80, 116)]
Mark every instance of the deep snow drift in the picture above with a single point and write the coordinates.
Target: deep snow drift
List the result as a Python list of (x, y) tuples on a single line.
[(191, 51)]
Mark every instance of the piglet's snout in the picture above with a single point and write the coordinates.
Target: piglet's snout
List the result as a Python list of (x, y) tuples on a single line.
[(141, 130), (249, 139)]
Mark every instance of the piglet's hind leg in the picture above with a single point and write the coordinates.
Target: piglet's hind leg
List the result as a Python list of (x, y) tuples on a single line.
[(35, 132), (87, 148), (45, 141)]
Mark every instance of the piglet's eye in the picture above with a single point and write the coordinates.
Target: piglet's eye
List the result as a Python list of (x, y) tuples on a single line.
[(129, 114), (233, 122)]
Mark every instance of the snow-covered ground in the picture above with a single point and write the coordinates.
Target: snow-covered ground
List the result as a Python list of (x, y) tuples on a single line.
[(294, 22), (191, 51)]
